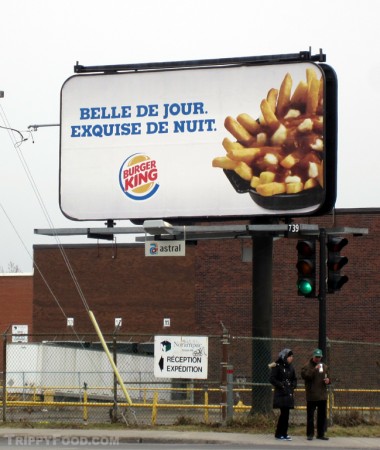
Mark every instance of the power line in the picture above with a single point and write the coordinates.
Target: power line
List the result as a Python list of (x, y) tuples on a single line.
[(34, 186)]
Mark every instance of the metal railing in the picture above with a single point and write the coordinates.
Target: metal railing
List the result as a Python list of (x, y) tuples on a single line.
[(24, 397)]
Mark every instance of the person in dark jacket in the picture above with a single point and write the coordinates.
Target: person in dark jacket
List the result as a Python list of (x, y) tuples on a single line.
[(316, 376), (284, 380)]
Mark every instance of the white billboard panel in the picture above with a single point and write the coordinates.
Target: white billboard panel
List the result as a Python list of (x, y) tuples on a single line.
[(206, 142)]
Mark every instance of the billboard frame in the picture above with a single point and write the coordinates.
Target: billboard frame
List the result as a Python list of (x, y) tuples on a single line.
[(302, 56), (330, 156)]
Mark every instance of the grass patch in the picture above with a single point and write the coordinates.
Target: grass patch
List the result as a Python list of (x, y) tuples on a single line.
[(349, 424)]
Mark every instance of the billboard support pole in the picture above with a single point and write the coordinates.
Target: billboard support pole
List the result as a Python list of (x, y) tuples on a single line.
[(262, 298)]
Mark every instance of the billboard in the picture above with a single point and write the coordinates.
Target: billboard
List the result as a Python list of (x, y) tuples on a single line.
[(208, 142)]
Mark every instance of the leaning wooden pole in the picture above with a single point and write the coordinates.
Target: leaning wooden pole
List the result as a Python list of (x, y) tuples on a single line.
[(109, 356)]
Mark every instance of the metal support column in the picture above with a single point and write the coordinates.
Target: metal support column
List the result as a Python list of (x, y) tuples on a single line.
[(224, 364), (262, 297), (114, 356), (230, 391)]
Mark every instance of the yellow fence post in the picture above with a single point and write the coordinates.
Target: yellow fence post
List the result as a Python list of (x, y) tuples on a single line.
[(206, 407), (154, 408), (49, 396), (85, 400)]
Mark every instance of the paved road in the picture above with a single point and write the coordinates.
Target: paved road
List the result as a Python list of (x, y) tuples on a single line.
[(80, 443), (167, 440), (88, 444)]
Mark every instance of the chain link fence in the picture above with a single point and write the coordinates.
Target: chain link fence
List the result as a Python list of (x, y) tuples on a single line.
[(70, 379)]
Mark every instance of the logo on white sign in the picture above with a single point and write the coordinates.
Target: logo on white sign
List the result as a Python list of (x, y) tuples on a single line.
[(165, 248)]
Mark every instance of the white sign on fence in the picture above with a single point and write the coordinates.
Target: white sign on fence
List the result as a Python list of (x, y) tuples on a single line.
[(19, 333), (181, 356)]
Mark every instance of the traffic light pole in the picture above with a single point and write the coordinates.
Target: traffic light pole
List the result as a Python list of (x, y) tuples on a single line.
[(322, 290)]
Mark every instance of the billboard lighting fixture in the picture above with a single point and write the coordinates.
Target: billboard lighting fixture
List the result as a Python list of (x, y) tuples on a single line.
[(158, 227), (35, 126)]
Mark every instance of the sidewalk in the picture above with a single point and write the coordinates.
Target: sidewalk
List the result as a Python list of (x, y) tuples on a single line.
[(163, 436)]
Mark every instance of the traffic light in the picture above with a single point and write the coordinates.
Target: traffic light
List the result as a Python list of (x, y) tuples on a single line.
[(306, 267), (335, 262)]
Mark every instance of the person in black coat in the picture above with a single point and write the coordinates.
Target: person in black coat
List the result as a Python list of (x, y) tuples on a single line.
[(283, 378)]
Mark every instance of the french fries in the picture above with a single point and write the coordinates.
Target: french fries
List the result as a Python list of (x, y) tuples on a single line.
[(284, 96), (238, 131), (270, 118), (224, 162), (282, 151)]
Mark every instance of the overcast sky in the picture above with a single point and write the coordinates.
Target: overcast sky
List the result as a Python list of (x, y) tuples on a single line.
[(42, 40)]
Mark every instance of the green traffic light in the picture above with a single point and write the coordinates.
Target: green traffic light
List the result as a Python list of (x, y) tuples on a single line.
[(306, 267), (305, 287)]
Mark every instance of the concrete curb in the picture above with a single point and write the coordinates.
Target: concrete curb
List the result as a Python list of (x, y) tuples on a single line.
[(162, 436)]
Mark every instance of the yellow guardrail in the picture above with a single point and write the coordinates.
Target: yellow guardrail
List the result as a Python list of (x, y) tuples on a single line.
[(353, 408), (38, 395)]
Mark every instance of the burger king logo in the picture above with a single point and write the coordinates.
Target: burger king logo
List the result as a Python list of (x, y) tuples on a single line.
[(138, 177)]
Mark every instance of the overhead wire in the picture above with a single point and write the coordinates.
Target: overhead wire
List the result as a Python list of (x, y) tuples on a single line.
[(89, 356), (16, 145), (28, 173), (34, 186), (34, 262)]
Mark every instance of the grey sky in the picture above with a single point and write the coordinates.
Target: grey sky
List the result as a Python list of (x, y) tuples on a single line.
[(42, 40)]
